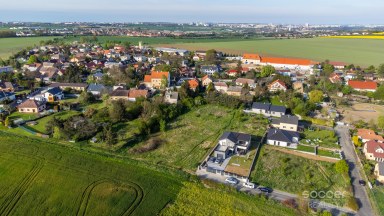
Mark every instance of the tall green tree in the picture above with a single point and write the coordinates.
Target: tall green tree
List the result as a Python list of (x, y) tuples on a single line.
[(267, 71), (316, 96), (380, 70)]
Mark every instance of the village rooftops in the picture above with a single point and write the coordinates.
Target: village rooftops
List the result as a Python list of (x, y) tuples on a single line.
[(83, 85), (282, 135), (287, 119)]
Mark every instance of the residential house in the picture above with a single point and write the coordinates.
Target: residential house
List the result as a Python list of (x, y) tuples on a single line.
[(193, 84), (367, 86), (220, 86), (209, 69), (134, 94), (277, 85), (73, 86), (233, 73), (374, 151), (369, 76), (7, 86), (367, 135), (283, 138), (243, 81), (268, 109), (119, 94), (140, 58), (298, 87), (33, 67), (156, 78), (232, 143), (338, 65), (234, 91), (335, 78), (97, 89), (379, 172), (7, 96), (206, 80), (6, 69), (32, 106), (171, 97), (53, 94), (286, 122), (98, 76)]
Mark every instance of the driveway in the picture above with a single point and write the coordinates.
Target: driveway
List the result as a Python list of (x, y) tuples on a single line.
[(360, 192)]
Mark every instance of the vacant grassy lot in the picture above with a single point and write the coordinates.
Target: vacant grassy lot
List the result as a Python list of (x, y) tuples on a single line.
[(196, 200), (41, 123), (295, 174), (45, 179), (190, 137), (9, 46), (357, 51)]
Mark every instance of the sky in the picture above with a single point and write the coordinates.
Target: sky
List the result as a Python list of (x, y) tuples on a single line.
[(184, 11)]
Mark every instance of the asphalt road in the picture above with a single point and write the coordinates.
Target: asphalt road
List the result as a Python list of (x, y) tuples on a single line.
[(360, 192), (276, 194)]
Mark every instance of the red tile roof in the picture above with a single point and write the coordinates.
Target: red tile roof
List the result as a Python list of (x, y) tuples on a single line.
[(252, 56), (367, 134), (135, 93), (369, 85), (287, 61), (278, 81), (31, 104), (193, 83), (155, 75), (372, 146)]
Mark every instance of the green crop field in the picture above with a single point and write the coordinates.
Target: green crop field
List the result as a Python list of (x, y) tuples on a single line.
[(357, 51), (45, 179), (9, 46)]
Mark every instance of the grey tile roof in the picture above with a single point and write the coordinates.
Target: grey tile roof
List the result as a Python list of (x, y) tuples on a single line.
[(269, 107), (54, 91), (288, 119), (95, 87), (281, 135), (235, 137)]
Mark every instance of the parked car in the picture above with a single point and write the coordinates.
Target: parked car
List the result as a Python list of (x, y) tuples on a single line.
[(362, 182), (249, 185), (232, 180), (265, 189)]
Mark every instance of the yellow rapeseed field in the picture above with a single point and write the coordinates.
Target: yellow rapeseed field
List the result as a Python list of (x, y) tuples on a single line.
[(377, 37)]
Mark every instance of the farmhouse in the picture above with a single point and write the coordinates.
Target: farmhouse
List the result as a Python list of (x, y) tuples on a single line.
[(268, 109), (277, 85), (374, 151), (32, 106), (283, 138), (155, 80), (369, 86), (286, 122)]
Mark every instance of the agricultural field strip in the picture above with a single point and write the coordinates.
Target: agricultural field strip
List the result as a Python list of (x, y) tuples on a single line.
[(13, 198)]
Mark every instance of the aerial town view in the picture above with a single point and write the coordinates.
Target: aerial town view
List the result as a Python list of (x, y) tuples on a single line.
[(207, 108)]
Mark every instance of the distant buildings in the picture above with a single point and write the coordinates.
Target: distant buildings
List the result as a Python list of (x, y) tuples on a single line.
[(156, 78), (268, 109), (367, 86)]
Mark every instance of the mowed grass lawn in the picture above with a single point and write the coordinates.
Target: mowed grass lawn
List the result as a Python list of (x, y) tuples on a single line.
[(9, 46), (378, 193), (41, 123), (295, 174), (45, 179), (357, 51)]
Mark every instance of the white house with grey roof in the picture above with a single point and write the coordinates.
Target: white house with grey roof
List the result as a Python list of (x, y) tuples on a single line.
[(268, 109), (286, 122), (231, 143), (283, 138), (209, 69)]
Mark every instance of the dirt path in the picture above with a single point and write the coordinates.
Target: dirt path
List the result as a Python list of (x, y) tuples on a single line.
[(304, 155)]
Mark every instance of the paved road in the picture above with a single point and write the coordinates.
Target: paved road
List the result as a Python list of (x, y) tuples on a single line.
[(276, 194), (360, 192)]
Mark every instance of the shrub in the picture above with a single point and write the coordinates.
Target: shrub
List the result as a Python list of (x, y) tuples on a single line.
[(352, 203), (151, 145)]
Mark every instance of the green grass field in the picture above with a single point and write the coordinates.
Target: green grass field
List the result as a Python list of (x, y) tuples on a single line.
[(378, 193), (39, 178), (357, 51), (295, 174), (9, 46)]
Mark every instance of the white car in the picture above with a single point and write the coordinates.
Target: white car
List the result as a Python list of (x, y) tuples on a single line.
[(249, 185), (232, 180)]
